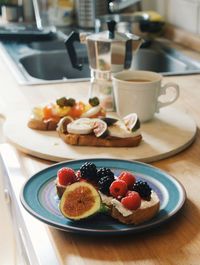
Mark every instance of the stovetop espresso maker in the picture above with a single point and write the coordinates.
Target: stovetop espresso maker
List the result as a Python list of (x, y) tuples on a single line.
[(108, 52)]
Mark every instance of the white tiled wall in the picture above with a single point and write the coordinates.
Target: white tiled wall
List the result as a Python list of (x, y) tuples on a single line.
[(182, 13)]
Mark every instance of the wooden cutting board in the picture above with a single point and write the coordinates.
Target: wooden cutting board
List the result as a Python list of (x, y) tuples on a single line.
[(170, 132)]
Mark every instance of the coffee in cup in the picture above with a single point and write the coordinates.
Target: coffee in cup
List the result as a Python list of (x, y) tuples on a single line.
[(140, 91)]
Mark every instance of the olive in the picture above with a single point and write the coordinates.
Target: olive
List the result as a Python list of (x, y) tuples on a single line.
[(62, 102), (94, 101), (71, 102)]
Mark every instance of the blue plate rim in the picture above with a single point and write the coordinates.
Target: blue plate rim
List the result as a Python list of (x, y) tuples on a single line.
[(132, 229)]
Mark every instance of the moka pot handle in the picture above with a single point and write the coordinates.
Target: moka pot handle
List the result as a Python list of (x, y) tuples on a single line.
[(69, 44)]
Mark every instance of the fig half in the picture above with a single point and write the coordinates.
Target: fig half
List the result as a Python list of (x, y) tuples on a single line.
[(80, 201), (100, 128), (132, 122)]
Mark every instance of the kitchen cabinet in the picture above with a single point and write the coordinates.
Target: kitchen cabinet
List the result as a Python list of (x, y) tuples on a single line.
[(7, 250), (7, 239), (27, 231)]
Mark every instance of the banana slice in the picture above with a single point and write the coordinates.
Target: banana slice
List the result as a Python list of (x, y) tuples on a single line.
[(91, 112), (81, 126)]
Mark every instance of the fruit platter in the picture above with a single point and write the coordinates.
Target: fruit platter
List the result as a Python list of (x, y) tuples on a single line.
[(67, 196)]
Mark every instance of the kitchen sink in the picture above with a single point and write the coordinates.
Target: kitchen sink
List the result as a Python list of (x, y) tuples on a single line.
[(48, 61), (47, 45), (53, 66), (167, 61), (44, 62)]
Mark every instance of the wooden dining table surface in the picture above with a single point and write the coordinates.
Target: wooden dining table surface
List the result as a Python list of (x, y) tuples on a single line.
[(174, 242)]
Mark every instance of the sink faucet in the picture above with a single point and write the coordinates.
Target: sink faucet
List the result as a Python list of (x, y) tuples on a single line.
[(31, 12), (119, 5), (37, 15)]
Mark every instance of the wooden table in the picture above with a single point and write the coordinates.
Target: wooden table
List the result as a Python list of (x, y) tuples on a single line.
[(176, 242)]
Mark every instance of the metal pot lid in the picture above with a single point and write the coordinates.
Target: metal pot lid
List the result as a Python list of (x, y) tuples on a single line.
[(126, 17), (111, 35)]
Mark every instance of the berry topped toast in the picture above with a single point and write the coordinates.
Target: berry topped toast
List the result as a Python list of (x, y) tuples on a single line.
[(126, 199)]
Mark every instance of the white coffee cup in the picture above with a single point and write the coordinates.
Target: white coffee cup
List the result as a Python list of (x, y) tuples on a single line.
[(139, 92)]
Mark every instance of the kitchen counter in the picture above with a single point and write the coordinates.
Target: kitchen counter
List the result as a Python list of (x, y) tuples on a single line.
[(175, 242)]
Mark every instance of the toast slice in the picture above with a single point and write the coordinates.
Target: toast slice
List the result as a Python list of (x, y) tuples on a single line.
[(42, 125), (92, 140), (145, 212)]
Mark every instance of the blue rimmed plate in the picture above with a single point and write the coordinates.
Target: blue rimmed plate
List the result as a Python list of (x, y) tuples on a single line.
[(39, 197)]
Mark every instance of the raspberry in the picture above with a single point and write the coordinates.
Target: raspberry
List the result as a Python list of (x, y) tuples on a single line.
[(132, 201), (128, 178), (66, 176), (143, 189), (118, 188), (89, 171)]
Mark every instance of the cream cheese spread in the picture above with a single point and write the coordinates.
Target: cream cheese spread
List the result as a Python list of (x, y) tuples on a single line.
[(110, 201), (106, 199), (120, 130)]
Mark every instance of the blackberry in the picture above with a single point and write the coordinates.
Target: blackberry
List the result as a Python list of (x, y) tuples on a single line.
[(89, 171), (104, 184), (103, 172), (143, 189)]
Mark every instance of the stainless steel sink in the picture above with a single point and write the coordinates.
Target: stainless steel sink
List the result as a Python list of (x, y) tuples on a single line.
[(48, 61), (47, 45), (53, 66), (44, 62), (165, 60)]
